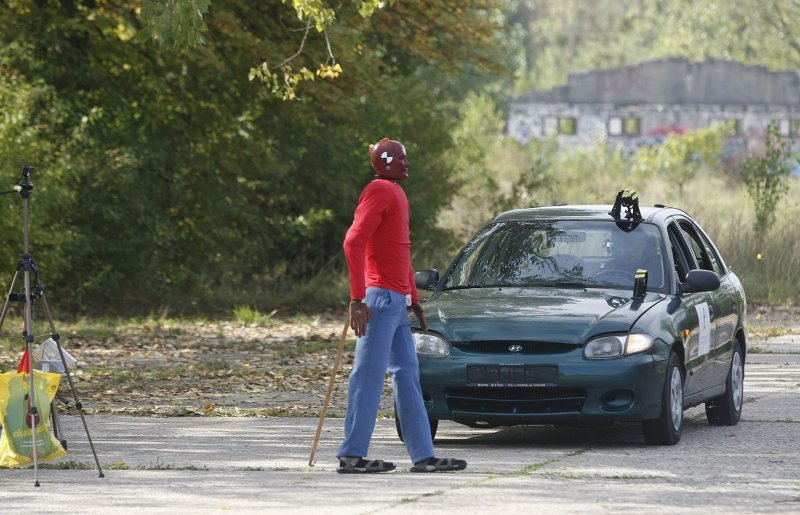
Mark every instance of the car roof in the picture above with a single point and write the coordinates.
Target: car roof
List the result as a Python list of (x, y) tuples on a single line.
[(584, 212)]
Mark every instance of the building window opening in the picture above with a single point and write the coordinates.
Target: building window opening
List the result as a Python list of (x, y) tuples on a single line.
[(631, 127), (789, 128), (618, 126), (615, 126), (567, 125)]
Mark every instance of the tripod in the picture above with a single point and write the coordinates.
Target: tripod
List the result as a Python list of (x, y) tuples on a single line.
[(27, 266)]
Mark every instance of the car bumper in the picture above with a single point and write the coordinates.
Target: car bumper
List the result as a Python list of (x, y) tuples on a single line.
[(587, 391)]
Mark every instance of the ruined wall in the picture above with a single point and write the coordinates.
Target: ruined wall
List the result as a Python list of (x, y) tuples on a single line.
[(661, 97)]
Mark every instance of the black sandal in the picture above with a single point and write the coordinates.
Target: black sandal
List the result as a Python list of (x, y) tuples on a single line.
[(439, 465), (358, 465)]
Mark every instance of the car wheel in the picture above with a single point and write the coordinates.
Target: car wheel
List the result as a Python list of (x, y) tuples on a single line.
[(432, 423), (726, 410), (667, 428)]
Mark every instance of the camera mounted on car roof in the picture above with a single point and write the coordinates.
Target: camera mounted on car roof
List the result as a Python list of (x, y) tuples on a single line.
[(628, 199)]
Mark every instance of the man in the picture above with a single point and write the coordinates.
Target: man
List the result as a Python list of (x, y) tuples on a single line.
[(378, 252)]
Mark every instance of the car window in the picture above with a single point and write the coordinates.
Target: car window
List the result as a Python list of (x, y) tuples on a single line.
[(704, 256), (711, 253), (474, 257), (681, 257), (591, 253)]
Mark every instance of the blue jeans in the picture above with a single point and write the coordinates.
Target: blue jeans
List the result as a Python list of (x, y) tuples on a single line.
[(387, 346)]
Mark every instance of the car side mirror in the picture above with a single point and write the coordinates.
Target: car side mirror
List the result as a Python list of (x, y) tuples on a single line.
[(700, 280), (426, 279)]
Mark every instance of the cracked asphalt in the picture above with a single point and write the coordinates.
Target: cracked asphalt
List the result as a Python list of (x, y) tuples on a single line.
[(260, 465)]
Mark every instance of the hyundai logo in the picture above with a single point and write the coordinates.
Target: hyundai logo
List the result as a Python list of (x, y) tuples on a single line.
[(515, 348)]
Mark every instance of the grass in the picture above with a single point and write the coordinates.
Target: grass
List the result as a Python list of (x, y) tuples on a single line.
[(765, 262), (66, 465), (97, 328), (248, 316), (771, 331), (170, 466), (139, 375)]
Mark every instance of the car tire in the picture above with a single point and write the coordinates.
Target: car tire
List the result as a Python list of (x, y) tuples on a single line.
[(726, 410), (432, 423), (667, 428)]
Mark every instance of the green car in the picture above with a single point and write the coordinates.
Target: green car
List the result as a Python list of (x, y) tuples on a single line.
[(584, 315)]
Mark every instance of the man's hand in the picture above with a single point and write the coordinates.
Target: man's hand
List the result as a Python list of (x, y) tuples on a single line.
[(416, 307), (359, 317)]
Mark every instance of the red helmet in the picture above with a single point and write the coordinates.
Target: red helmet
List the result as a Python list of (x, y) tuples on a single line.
[(389, 159)]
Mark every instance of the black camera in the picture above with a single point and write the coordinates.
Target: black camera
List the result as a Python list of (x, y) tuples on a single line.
[(25, 185)]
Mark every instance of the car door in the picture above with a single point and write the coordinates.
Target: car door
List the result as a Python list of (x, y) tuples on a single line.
[(724, 300), (696, 325)]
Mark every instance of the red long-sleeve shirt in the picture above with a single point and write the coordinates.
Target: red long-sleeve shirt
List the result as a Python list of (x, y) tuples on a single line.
[(377, 245)]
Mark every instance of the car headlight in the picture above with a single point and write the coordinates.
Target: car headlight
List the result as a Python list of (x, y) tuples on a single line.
[(431, 346), (615, 346)]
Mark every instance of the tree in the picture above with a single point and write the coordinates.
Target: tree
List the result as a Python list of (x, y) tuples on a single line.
[(166, 178), (451, 29), (766, 179)]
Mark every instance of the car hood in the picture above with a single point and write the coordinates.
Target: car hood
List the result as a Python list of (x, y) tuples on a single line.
[(541, 314)]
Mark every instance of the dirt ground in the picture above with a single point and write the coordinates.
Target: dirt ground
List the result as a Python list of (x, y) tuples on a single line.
[(190, 368)]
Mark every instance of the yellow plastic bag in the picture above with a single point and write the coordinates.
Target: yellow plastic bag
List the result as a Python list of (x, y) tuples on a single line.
[(16, 446)]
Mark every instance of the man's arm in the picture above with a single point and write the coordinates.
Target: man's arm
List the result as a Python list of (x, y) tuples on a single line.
[(416, 307), (412, 284), (367, 218)]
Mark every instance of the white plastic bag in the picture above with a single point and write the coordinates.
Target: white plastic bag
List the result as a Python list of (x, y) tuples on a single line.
[(50, 360)]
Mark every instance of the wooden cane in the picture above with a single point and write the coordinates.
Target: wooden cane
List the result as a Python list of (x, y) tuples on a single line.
[(322, 413)]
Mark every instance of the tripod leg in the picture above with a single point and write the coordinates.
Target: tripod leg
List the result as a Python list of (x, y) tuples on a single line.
[(28, 334), (57, 424), (8, 298), (78, 404)]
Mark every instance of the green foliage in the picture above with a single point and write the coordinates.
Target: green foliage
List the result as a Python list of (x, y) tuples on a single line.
[(477, 178), (249, 316), (682, 156), (166, 179), (174, 22), (564, 36), (171, 176), (766, 178), (579, 175)]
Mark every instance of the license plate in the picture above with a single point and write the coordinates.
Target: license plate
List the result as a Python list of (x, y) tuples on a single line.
[(512, 375)]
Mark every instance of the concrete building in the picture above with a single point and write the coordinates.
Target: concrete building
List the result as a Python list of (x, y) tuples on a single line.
[(641, 104)]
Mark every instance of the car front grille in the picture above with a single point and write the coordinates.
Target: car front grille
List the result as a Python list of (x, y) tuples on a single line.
[(504, 347), (513, 400)]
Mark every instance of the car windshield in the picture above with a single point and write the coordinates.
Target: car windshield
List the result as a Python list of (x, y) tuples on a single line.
[(575, 253)]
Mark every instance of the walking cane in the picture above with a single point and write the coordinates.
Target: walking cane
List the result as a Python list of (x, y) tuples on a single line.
[(322, 413)]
